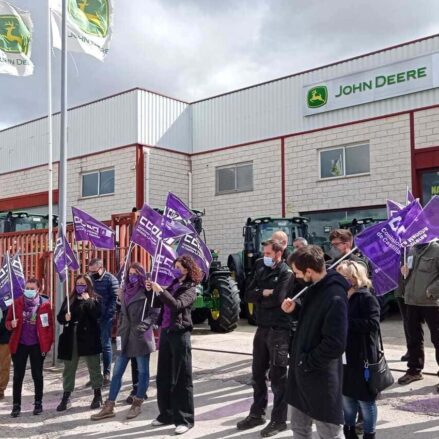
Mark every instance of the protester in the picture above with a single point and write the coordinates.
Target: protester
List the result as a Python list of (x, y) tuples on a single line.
[(282, 238), (314, 387), (105, 286), (80, 338), (421, 296), (5, 354), (341, 245), (267, 290), (31, 336), (362, 345), (299, 243), (399, 296), (175, 395), (136, 341)]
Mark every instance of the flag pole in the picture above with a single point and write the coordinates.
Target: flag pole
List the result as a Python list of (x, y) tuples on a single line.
[(11, 284)]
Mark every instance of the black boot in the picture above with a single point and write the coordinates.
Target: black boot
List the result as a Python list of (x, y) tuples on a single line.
[(369, 436), (65, 402), (16, 409), (38, 407), (97, 399), (349, 432)]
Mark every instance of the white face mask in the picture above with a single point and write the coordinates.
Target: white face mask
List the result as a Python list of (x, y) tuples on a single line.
[(268, 261)]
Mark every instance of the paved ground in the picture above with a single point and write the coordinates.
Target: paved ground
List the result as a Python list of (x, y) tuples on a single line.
[(222, 396)]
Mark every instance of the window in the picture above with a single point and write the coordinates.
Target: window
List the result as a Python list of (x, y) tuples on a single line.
[(344, 161), (234, 178), (98, 183)]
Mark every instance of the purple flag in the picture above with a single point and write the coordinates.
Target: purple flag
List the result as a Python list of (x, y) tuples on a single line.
[(393, 207), (173, 229), (63, 257), (193, 246), (165, 265), (382, 283), (148, 232), (425, 227), (90, 229), (11, 274), (176, 210), (410, 197)]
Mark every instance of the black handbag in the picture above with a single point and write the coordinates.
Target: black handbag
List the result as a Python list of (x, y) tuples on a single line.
[(377, 375)]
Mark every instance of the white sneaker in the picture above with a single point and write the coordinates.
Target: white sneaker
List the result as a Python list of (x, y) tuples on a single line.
[(181, 429), (157, 423)]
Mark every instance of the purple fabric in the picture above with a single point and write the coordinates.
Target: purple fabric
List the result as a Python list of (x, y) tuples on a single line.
[(166, 320), (29, 335), (173, 229), (163, 271), (63, 257), (382, 283), (194, 246), (410, 197), (131, 289), (11, 274), (176, 210), (147, 232), (393, 207), (90, 229)]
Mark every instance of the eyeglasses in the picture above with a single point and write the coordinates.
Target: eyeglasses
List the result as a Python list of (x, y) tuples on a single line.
[(336, 244)]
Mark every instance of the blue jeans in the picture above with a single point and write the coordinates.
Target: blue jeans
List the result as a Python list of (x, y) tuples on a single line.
[(120, 366), (368, 409), (106, 345)]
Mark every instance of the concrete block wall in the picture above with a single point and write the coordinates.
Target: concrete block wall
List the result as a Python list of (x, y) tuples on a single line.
[(427, 128), (226, 214)]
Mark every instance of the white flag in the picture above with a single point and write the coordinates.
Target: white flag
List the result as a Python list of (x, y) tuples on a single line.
[(89, 26), (15, 41)]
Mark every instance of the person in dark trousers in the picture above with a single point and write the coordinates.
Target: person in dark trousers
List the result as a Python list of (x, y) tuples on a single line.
[(175, 393), (314, 387), (399, 296), (105, 286), (31, 336), (362, 345), (271, 342), (421, 296), (136, 340), (5, 353), (80, 338)]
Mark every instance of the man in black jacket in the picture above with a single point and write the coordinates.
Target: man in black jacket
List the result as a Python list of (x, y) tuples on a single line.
[(106, 286), (267, 291), (315, 374)]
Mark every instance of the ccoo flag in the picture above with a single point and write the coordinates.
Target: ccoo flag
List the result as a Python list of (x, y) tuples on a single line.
[(63, 257), (15, 41), (89, 26)]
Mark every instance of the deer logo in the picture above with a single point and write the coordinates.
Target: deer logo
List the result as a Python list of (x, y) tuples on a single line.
[(317, 96), (92, 16), (14, 35)]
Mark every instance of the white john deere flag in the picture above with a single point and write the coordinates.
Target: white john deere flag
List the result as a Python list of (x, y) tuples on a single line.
[(89, 26), (15, 41)]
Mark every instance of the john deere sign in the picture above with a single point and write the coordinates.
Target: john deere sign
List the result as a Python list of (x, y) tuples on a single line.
[(14, 35), (386, 82), (92, 16)]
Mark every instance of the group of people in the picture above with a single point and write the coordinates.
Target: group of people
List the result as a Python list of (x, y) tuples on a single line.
[(86, 316)]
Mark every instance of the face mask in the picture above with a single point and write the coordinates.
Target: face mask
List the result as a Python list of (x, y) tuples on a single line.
[(133, 278), (268, 261), (95, 275), (81, 289), (349, 283), (30, 294), (335, 253)]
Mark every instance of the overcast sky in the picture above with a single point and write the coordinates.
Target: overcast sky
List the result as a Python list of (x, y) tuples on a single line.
[(192, 49)]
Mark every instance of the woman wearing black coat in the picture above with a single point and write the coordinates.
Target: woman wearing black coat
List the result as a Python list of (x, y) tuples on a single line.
[(81, 337), (362, 344)]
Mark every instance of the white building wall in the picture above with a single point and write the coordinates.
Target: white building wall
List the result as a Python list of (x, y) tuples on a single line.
[(427, 128), (390, 171), (226, 214)]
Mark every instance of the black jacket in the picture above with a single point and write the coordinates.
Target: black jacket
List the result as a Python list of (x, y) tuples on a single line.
[(268, 312), (85, 317), (5, 335), (106, 287), (362, 343), (315, 373), (181, 305)]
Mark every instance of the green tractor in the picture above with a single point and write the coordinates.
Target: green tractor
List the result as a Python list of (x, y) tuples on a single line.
[(218, 296), (23, 221), (255, 232)]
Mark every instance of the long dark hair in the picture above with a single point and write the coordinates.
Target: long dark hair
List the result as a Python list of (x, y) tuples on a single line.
[(194, 271), (90, 287)]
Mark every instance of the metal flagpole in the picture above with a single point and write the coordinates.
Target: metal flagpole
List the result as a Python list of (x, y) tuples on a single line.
[(11, 281)]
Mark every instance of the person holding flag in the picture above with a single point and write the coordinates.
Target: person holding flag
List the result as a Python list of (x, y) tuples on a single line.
[(30, 321), (80, 338), (174, 370)]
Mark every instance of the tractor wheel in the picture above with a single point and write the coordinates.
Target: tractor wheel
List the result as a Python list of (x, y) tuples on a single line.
[(199, 315), (225, 292)]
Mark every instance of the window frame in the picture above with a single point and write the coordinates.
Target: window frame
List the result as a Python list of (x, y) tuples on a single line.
[(97, 171), (234, 166), (343, 148)]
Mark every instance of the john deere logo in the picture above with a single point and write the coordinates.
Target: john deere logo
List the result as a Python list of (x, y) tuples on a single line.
[(14, 35), (91, 16), (317, 96)]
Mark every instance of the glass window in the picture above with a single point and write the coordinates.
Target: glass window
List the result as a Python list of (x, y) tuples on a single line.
[(234, 178), (106, 184), (430, 185), (90, 184), (343, 161)]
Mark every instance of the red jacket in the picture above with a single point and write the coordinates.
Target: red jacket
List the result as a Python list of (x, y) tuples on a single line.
[(45, 333)]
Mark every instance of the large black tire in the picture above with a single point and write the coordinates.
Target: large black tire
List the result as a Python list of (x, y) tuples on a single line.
[(227, 317), (199, 315)]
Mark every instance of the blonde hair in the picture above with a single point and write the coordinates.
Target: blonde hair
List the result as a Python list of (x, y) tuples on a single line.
[(356, 272)]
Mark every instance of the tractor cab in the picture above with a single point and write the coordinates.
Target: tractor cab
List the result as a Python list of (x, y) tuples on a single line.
[(358, 225), (23, 221)]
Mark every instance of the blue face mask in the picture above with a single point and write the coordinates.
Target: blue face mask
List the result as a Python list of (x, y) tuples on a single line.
[(268, 261), (30, 294)]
